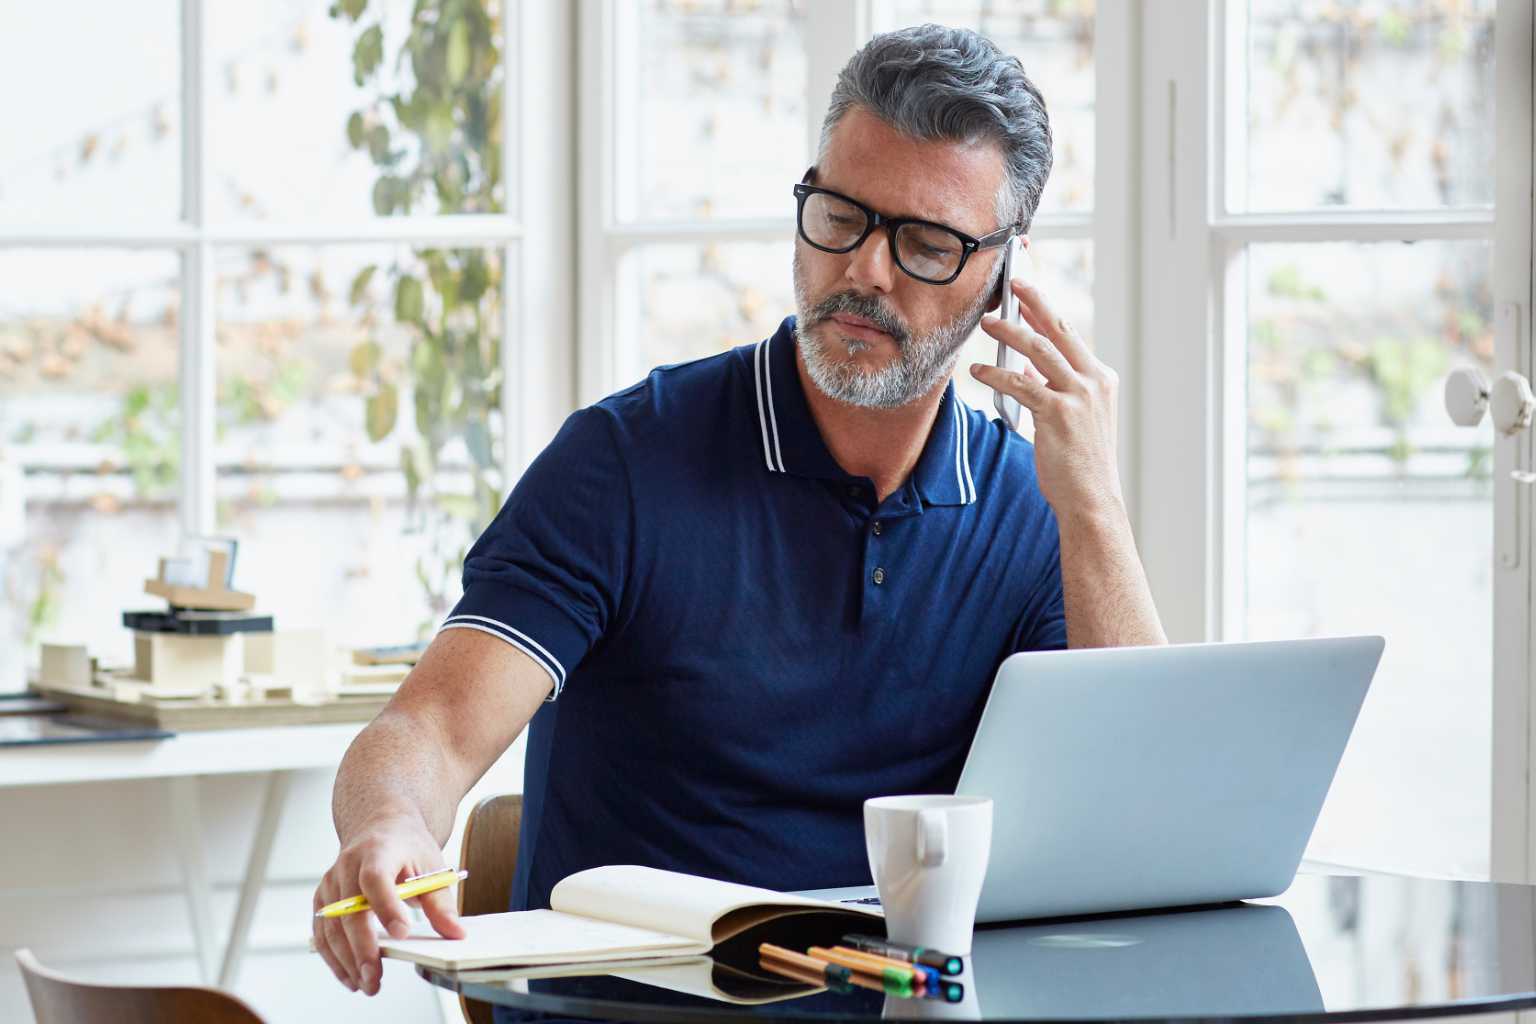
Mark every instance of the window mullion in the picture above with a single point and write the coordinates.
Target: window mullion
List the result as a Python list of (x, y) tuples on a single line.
[(542, 343), (1114, 225), (197, 371), (1177, 455), (513, 282), (833, 31), (596, 356)]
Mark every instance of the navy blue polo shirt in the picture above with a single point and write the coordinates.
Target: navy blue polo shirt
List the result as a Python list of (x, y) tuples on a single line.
[(744, 645)]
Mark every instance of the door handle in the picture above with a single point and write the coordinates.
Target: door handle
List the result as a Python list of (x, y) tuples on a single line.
[(1468, 396)]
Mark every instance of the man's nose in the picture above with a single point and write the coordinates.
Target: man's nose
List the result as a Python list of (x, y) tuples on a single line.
[(872, 266)]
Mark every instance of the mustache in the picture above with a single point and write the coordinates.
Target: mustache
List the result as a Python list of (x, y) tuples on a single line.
[(866, 306)]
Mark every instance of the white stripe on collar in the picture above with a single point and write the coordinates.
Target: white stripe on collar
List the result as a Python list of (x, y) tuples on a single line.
[(773, 416), (963, 480), (765, 416), (965, 447)]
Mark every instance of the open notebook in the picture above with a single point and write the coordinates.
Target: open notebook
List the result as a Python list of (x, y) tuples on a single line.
[(624, 912)]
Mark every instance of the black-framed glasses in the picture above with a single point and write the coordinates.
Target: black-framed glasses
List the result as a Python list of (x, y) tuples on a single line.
[(932, 253)]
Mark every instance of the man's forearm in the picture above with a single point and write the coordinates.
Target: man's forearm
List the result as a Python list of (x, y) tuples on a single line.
[(392, 770), (1107, 599)]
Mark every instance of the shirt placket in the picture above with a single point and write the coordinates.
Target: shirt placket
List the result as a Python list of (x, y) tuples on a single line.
[(881, 563)]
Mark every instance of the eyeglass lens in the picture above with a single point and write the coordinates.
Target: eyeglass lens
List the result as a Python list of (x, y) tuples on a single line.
[(923, 250)]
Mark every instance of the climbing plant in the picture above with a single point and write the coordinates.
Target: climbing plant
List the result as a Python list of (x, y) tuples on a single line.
[(431, 123)]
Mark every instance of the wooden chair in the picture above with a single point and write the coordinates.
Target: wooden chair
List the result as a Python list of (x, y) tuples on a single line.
[(60, 1000), (489, 853)]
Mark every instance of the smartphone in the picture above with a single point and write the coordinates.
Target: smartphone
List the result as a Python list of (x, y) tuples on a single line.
[(1016, 261)]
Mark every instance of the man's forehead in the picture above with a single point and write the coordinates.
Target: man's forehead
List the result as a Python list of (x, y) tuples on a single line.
[(948, 182)]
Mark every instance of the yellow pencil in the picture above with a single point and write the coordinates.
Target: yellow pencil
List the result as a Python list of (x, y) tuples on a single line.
[(418, 885)]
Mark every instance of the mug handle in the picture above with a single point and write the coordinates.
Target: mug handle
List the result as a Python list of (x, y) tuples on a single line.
[(932, 838)]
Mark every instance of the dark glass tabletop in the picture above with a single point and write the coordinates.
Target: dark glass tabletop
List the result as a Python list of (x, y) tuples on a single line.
[(1340, 947)]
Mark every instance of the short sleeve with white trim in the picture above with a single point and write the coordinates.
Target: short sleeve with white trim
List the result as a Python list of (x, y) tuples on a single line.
[(547, 574)]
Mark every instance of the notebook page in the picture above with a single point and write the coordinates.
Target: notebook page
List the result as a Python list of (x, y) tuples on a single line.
[(667, 901), (534, 937)]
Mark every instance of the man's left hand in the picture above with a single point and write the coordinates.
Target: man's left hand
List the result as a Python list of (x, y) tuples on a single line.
[(1072, 396)]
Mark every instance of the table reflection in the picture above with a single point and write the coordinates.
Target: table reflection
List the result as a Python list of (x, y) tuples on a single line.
[(1330, 944)]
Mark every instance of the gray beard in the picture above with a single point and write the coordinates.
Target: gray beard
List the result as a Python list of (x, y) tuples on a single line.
[(925, 361)]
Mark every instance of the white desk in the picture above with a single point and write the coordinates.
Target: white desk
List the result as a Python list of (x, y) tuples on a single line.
[(277, 752)]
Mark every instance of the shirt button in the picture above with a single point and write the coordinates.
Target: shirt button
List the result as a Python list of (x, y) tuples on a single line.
[(854, 491), (877, 528), (879, 576)]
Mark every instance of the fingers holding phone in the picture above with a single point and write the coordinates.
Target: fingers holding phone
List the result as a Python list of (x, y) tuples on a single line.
[(1072, 395)]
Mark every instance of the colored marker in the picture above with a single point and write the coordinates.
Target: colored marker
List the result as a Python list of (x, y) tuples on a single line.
[(900, 981), (924, 974), (944, 963)]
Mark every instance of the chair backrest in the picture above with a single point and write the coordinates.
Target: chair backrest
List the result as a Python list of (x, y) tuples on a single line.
[(489, 853), (57, 999)]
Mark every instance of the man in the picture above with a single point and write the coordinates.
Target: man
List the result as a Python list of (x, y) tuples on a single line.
[(750, 592)]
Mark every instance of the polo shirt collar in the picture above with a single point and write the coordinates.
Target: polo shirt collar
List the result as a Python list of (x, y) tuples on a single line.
[(792, 445)]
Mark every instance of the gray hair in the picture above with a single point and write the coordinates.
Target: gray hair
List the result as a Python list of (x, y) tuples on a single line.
[(937, 83)]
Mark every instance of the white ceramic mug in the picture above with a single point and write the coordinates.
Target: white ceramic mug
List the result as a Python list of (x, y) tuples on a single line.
[(929, 856)]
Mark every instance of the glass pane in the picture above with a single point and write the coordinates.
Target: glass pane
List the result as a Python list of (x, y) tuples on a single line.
[(359, 429), (691, 301), (89, 414), (711, 108), (93, 113), (1369, 105), (1054, 40), (1370, 512), (315, 115), (1066, 275)]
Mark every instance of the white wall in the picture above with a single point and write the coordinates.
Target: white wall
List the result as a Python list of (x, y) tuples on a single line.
[(90, 881)]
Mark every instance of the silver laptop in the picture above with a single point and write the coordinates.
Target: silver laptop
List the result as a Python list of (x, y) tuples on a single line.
[(1135, 777)]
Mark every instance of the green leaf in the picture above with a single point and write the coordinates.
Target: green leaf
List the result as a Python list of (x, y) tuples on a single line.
[(355, 129), (449, 194), (438, 129), (412, 474), (410, 112), (378, 143), (424, 360), (367, 54), (478, 440), (360, 284), (381, 411), (408, 300), (437, 268), (472, 372), (426, 419), (364, 358), (458, 51), (461, 506), (476, 276), (384, 196), (351, 8)]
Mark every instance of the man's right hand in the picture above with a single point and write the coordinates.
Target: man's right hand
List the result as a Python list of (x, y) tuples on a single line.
[(371, 863)]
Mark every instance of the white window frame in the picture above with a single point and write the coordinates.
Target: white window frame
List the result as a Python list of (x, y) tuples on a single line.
[(537, 293), (833, 32), (1191, 422)]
